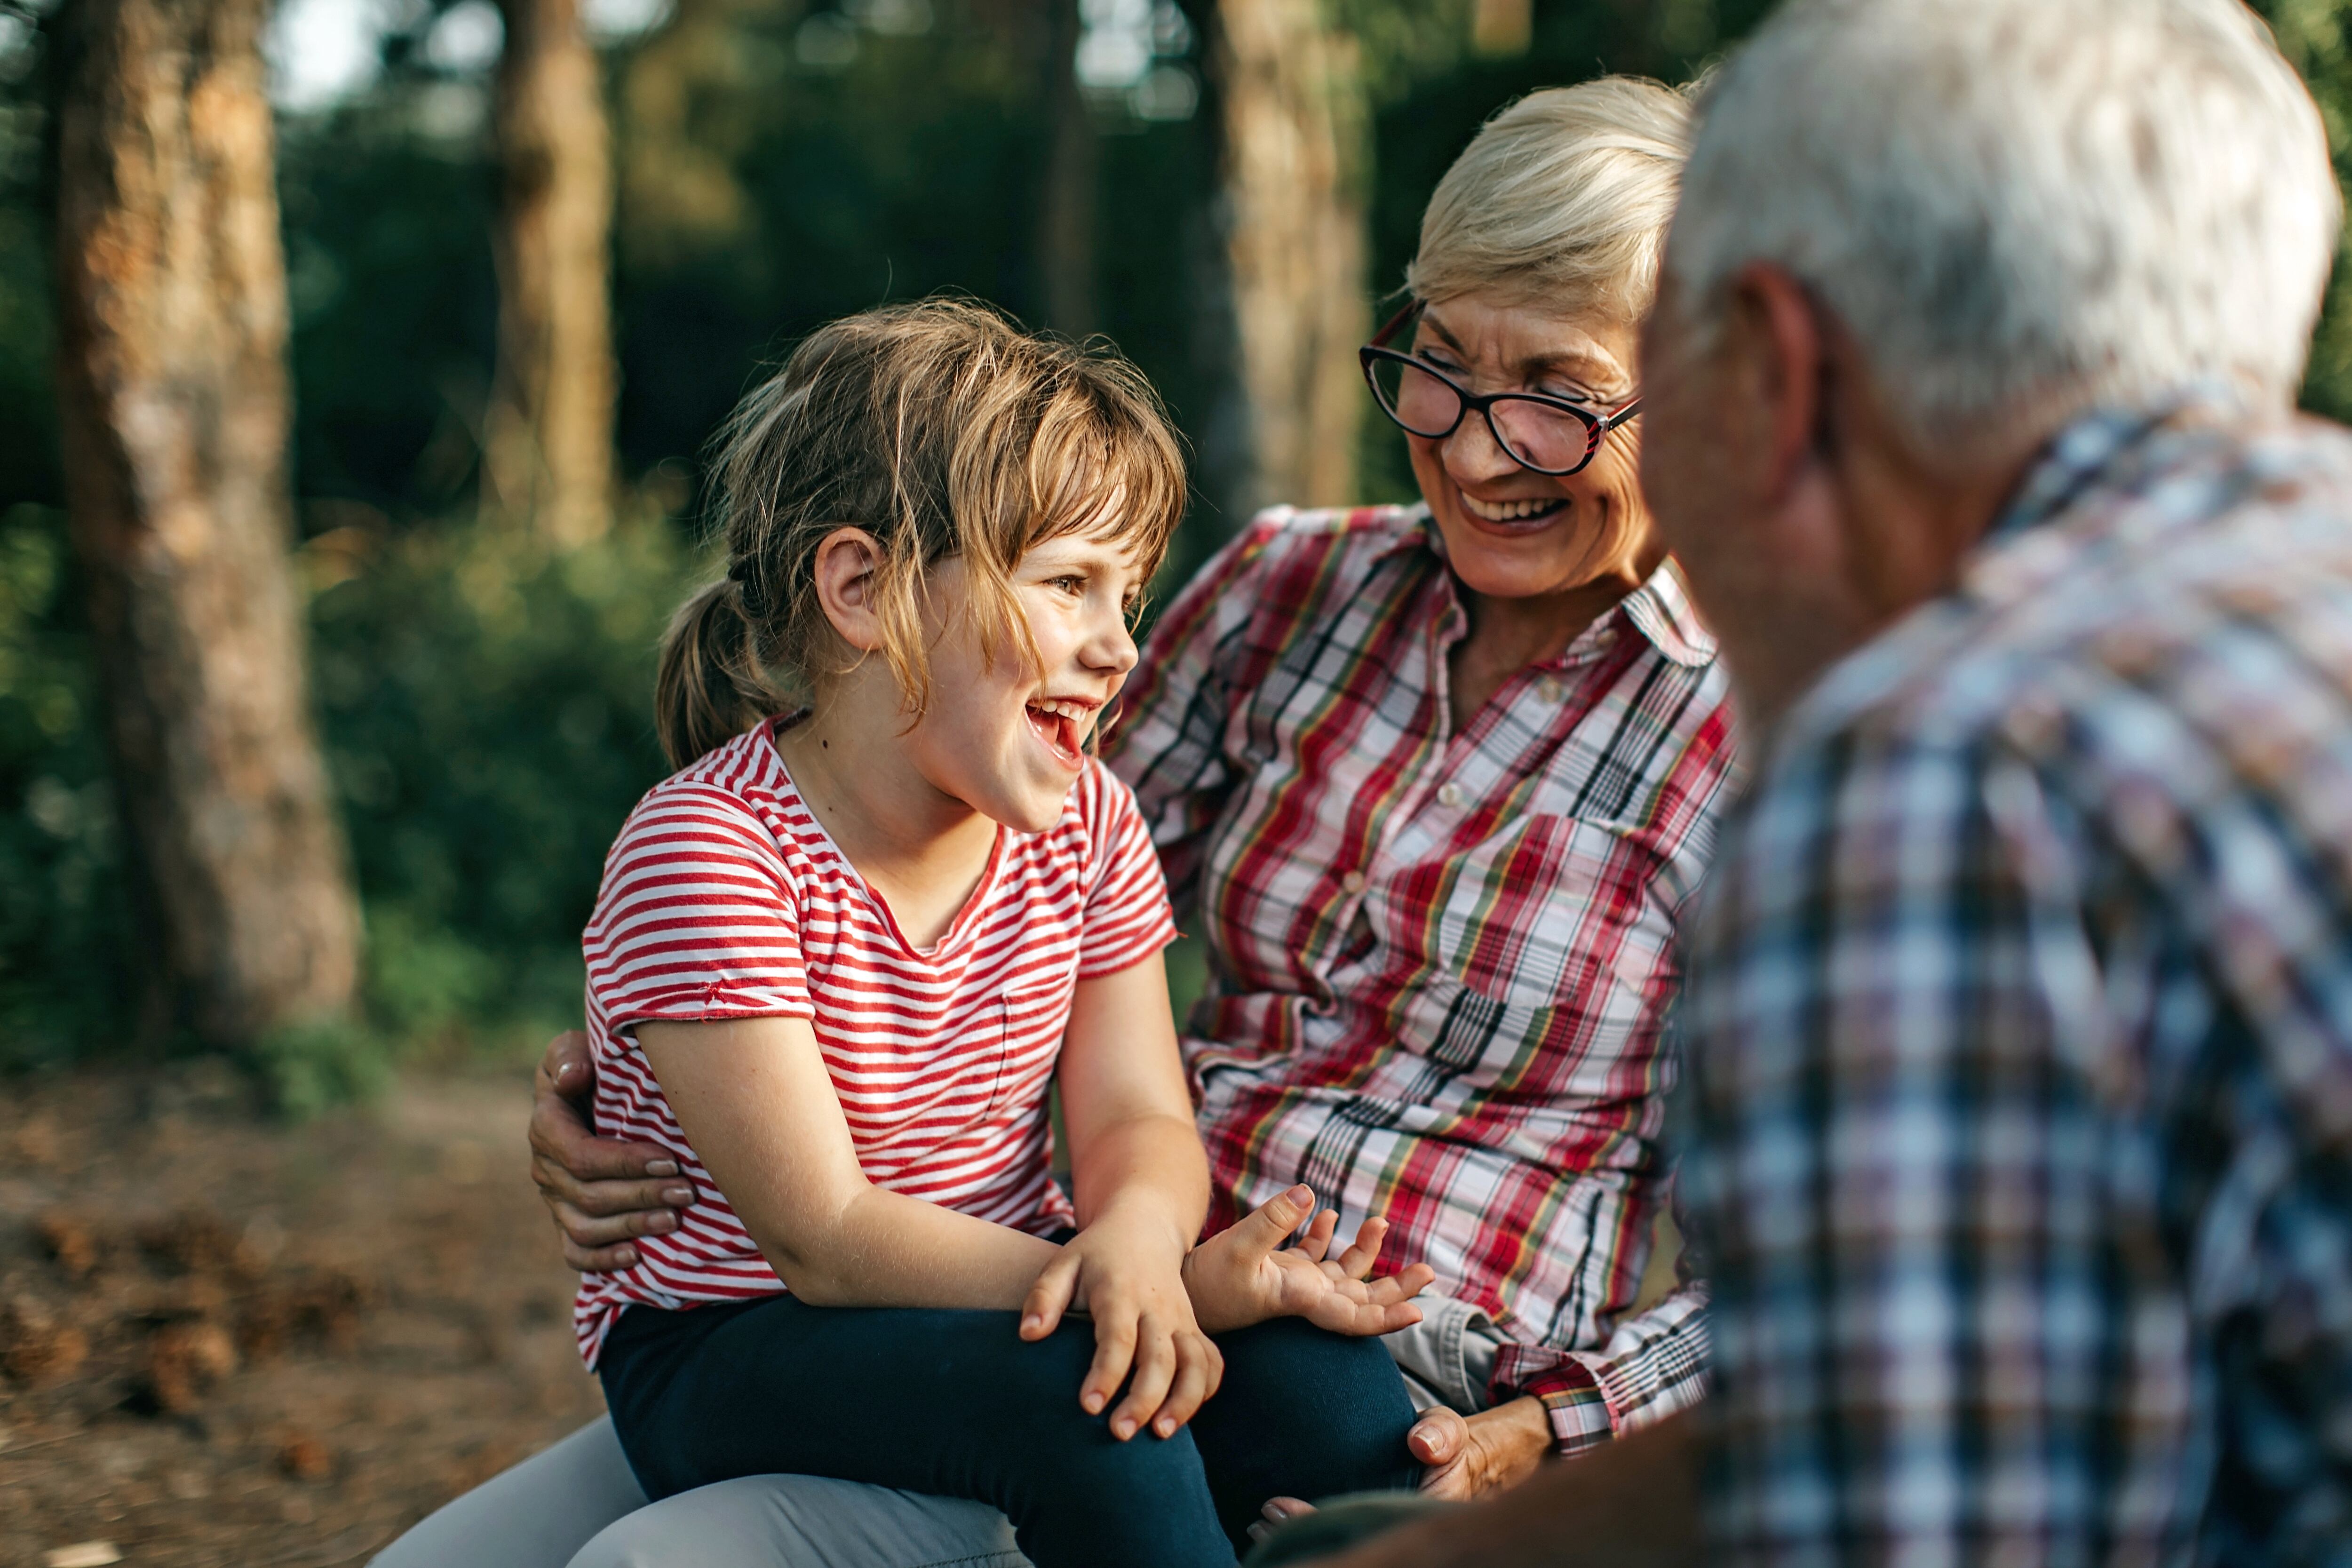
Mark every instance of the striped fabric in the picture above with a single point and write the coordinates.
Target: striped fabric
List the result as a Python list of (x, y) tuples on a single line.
[(1440, 965), (724, 898), (2020, 1028)]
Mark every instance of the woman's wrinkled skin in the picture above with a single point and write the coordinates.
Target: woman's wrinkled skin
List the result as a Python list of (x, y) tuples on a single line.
[(1531, 582)]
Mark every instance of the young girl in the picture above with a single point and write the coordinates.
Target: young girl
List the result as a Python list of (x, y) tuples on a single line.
[(840, 956)]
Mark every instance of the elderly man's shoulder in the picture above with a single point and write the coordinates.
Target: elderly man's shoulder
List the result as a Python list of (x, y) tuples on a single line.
[(2188, 604)]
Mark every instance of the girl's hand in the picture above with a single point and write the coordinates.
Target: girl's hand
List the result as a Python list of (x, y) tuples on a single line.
[(1126, 1271), (1245, 1275)]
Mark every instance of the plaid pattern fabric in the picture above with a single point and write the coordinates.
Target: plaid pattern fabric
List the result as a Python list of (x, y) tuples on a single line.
[(1438, 964), (2020, 1033)]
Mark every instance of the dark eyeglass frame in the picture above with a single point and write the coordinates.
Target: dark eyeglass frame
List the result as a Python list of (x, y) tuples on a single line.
[(1596, 425)]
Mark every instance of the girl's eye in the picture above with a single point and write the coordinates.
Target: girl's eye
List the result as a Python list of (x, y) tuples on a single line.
[(1074, 587)]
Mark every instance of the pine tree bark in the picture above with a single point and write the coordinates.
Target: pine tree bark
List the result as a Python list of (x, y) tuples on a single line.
[(173, 405), (1066, 227), (547, 446), (1296, 132)]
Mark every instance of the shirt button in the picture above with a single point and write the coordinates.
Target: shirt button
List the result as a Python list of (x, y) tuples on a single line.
[(1547, 689), (1353, 881), (1449, 795)]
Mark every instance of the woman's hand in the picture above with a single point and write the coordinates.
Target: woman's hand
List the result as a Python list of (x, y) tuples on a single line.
[(1126, 1271), (1245, 1275), (602, 1191), (1464, 1457)]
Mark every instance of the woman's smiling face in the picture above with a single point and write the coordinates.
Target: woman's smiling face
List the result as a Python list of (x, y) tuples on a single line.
[(1509, 533)]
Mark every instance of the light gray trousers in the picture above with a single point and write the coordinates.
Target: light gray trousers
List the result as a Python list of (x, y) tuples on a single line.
[(577, 1504)]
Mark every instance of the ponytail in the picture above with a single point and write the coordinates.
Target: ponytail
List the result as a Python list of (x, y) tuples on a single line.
[(710, 687)]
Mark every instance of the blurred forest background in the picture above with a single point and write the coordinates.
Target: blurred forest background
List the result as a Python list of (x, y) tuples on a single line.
[(528, 253)]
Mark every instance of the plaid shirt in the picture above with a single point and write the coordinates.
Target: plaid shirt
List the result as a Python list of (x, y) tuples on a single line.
[(1438, 964), (2020, 1028)]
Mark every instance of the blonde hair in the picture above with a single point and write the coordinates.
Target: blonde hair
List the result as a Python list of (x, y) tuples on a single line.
[(1562, 200), (942, 430)]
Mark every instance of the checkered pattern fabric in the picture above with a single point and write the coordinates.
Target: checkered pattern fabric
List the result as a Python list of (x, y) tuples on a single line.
[(1440, 963), (2020, 1026)]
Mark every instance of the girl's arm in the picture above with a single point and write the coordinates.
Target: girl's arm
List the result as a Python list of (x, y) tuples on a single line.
[(754, 1099), (1142, 1189)]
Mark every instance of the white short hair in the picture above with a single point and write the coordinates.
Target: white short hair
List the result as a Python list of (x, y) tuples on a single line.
[(2023, 207), (1562, 199)]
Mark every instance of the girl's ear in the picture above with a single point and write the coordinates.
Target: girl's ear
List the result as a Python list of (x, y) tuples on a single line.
[(847, 567)]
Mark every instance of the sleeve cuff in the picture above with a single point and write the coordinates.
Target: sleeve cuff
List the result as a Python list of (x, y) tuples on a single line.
[(1578, 1411)]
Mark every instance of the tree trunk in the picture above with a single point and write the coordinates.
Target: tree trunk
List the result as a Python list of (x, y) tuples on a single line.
[(172, 403), (1296, 146), (1066, 228), (546, 439)]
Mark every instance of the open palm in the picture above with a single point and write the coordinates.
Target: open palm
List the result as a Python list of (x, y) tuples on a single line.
[(1245, 1275)]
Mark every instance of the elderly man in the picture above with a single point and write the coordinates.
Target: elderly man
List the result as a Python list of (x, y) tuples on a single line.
[(2020, 1012)]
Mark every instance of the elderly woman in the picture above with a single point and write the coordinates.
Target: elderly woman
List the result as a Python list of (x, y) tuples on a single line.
[(1437, 781)]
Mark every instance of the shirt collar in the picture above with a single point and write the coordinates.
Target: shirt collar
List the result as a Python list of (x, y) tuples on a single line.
[(2075, 459), (1659, 609)]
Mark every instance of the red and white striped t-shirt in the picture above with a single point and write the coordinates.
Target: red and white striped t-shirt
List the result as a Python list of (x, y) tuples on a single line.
[(723, 898)]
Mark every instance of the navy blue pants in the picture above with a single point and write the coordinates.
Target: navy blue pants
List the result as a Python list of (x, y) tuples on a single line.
[(957, 1405)]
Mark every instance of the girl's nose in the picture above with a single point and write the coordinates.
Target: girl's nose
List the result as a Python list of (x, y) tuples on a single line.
[(1111, 648)]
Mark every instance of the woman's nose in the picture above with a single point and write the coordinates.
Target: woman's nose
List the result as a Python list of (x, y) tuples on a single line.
[(1472, 456)]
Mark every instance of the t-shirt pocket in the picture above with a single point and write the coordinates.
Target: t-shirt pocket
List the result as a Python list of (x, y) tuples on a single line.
[(1033, 1020)]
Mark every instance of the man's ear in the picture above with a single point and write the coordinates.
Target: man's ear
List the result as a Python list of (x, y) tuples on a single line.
[(846, 571), (1782, 368)]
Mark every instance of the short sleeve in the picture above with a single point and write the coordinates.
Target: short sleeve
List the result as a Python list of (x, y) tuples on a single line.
[(1126, 918), (698, 918)]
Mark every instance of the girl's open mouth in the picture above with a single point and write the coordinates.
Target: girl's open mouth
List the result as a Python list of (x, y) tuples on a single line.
[(1063, 727)]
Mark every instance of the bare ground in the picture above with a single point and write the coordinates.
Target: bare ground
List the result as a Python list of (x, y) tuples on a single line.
[(224, 1341)]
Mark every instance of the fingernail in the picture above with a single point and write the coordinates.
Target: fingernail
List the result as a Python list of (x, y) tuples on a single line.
[(1165, 1429), (1122, 1430), (1094, 1404), (662, 1222), (661, 1167), (1301, 1195), (1276, 1512), (677, 1195), (1030, 1322), (628, 1256)]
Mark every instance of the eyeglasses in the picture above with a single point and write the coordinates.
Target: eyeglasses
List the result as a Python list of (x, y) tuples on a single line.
[(1545, 435)]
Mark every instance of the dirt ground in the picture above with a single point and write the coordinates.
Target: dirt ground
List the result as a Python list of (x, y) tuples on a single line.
[(224, 1341)]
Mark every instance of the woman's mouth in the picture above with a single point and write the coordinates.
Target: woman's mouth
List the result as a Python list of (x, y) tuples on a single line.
[(1061, 724), (1521, 515)]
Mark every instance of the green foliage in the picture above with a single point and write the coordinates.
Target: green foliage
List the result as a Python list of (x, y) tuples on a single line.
[(486, 707), (63, 927), (306, 1068)]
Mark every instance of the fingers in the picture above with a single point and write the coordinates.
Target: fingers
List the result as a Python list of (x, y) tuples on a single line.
[(1440, 1438), (1357, 1262), (1049, 1298), (589, 1230), (598, 1259), (1342, 1314), (560, 1181), (559, 1135), (567, 1066), (1114, 1354), (1318, 1240), (1200, 1368), (1392, 1288), (1264, 1229), (1155, 1373)]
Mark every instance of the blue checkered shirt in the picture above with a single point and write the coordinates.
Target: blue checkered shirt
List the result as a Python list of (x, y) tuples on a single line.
[(2020, 1028)]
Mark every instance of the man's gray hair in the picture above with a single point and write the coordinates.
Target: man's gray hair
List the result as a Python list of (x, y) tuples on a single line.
[(2022, 208)]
